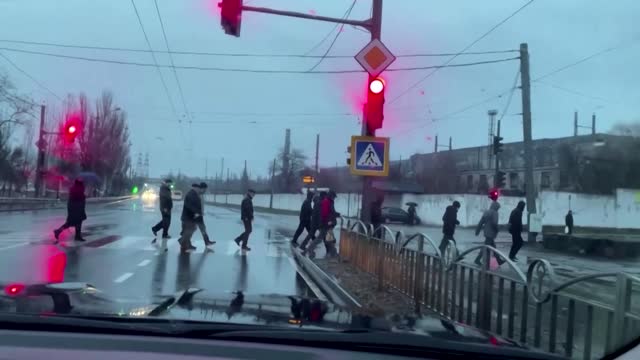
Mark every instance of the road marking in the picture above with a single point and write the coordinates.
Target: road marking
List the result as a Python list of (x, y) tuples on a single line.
[(144, 262), (123, 277), (13, 246)]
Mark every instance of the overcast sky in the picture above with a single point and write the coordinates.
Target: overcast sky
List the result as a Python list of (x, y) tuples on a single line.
[(243, 116)]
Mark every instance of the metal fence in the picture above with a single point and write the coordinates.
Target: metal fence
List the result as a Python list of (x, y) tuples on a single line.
[(533, 308)]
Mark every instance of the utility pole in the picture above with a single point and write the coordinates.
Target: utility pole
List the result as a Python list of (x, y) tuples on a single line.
[(317, 166), (367, 181), (527, 137), (593, 124), (575, 123), (206, 169), (273, 174), (435, 148), (450, 141), (41, 156)]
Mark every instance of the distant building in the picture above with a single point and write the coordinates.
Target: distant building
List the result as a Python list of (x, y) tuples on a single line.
[(556, 164)]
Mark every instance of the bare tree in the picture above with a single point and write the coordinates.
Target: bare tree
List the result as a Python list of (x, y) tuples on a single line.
[(626, 128)]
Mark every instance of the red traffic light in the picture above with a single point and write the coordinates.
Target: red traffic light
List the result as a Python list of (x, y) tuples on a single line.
[(494, 194), (14, 289), (375, 105), (231, 16), (71, 129), (70, 132), (376, 86)]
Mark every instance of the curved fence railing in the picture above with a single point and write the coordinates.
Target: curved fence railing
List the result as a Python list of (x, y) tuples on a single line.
[(535, 307)]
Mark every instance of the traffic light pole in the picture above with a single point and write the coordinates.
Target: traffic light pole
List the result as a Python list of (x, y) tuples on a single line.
[(41, 154), (367, 181), (496, 181), (527, 137)]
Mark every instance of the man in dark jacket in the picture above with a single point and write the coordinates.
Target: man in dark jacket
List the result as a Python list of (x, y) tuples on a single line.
[(305, 218), (515, 229), (246, 215), (166, 204), (315, 219), (375, 214), (568, 221), (76, 213), (191, 214), (449, 222), (200, 222)]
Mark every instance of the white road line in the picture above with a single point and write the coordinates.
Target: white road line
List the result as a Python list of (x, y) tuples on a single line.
[(316, 290), (144, 262), (13, 246), (123, 277)]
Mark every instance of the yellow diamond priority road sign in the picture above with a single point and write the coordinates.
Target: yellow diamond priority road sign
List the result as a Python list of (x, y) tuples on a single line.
[(375, 57)]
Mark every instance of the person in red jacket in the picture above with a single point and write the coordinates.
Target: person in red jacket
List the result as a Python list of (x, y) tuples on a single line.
[(328, 220)]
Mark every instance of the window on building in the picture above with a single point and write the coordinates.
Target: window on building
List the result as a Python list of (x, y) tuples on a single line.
[(469, 182), (545, 180), (514, 180), (483, 183)]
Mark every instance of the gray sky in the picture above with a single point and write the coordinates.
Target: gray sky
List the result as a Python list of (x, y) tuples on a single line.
[(223, 105)]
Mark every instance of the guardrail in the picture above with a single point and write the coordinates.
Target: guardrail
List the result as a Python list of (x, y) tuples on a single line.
[(532, 308), (30, 204)]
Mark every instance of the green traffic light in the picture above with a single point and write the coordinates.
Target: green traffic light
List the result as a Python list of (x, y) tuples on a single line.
[(134, 190)]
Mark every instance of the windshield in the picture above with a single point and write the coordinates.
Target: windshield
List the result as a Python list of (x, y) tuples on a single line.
[(473, 162)]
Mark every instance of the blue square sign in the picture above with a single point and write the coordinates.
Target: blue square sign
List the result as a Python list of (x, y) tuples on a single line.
[(369, 156)]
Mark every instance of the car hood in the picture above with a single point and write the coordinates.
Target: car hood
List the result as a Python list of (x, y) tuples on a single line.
[(80, 299)]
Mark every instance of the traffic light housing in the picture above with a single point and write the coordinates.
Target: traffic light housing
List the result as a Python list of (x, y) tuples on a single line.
[(375, 104), (349, 155), (501, 179), (497, 144), (231, 16)]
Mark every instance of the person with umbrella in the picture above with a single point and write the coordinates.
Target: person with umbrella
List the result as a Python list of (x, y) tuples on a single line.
[(76, 213)]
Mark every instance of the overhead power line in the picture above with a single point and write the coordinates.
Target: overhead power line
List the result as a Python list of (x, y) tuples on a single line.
[(462, 51), (580, 61), (155, 62), (335, 27), (217, 54), (335, 39), (25, 73), (207, 68), (513, 90), (173, 66)]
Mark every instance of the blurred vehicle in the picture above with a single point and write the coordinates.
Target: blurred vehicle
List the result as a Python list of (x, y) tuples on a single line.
[(176, 195), (149, 195), (398, 215)]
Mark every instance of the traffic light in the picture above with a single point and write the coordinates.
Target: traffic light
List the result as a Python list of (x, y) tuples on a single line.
[(349, 155), (497, 144), (375, 104), (501, 179), (70, 132), (231, 16), (494, 193)]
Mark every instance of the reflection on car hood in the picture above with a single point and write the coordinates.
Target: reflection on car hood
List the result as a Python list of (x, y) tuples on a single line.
[(80, 299)]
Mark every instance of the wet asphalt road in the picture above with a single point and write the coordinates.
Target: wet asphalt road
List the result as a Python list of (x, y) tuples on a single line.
[(118, 256)]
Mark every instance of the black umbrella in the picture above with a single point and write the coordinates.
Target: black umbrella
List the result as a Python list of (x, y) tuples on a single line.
[(89, 177), (411, 203)]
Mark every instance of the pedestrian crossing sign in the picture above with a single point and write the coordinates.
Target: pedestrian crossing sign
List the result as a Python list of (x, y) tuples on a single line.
[(369, 156)]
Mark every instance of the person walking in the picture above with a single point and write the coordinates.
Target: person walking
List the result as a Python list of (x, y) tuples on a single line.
[(315, 220), (191, 214), (375, 214), (305, 218), (328, 220), (76, 213), (412, 214), (166, 204), (489, 225), (449, 222), (568, 222), (515, 229), (200, 221), (246, 215)]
